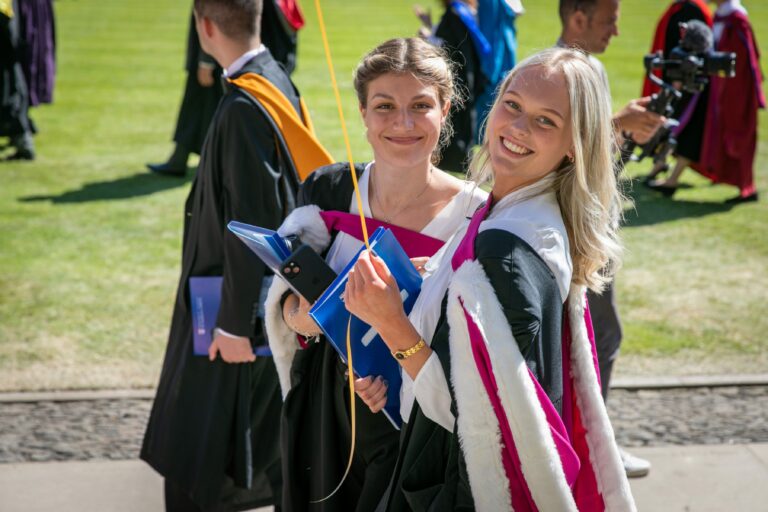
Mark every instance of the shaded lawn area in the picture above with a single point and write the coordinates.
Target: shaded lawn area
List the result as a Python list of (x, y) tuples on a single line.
[(90, 243)]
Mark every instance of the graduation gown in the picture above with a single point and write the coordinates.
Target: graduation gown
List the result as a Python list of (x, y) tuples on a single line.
[(730, 136), (536, 356), (315, 432), (38, 34), (14, 97), (198, 103), (278, 33), (458, 42), (213, 422), (431, 473), (691, 109)]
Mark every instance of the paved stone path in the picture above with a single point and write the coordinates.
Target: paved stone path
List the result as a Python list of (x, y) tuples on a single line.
[(112, 429)]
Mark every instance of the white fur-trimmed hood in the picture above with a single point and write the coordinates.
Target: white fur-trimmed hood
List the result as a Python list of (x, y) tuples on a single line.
[(536, 449), (308, 225)]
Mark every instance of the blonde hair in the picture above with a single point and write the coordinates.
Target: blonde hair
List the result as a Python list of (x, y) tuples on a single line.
[(586, 187), (427, 63)]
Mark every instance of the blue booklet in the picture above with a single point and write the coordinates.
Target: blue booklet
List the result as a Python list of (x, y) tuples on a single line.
[(270, 247), (370, 355), (204, 300)]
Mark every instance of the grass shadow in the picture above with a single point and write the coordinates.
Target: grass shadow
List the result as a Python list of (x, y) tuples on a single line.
[(653, 208), (140, 184)]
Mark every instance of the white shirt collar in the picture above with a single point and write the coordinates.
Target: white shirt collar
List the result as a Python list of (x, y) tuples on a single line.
[(240, 61)]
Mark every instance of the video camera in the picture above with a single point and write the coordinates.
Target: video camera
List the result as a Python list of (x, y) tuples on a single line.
[(687, 68)]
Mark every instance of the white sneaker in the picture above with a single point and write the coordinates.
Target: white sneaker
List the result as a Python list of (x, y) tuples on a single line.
[(635, 467)]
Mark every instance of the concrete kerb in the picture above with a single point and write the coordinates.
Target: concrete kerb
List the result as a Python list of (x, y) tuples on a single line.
[(629, 383)]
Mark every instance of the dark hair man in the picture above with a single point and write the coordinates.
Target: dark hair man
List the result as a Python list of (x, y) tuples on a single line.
[(213, 430)]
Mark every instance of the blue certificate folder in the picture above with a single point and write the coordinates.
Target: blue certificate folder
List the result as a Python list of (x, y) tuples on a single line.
[(270, 247), (204, 299), (370, 355)]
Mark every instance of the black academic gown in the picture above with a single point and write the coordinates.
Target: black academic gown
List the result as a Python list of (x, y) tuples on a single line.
[(14, 96), (199, 103), (212, 422), (431, 474), (315, 431), (690, 137), (469, 76), (278, 36)]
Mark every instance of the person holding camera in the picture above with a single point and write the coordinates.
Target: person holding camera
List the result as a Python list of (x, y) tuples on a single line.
[(405, 89), (691, 109), (730, 133), (590, 25)]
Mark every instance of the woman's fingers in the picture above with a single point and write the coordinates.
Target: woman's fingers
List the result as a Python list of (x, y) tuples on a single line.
[(373, 392), (382, 270)]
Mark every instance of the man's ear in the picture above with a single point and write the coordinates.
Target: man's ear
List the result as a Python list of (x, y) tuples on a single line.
[(205, 25), (579, 22)]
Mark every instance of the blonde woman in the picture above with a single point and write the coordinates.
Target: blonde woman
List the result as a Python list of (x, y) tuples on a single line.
[(502, 314), (405, 89)]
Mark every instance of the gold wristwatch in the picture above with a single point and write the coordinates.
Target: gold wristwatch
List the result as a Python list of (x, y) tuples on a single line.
[(405, 354)]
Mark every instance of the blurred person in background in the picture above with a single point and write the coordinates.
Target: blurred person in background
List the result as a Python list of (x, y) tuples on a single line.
[(691, 109), (37, 28), (459, 34), (496, 19), (730, 133), (14, 96)]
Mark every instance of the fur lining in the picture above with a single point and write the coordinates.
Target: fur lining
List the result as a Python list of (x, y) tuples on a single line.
[(282, 340), (306, 222), (603, 453), (534, 443), (479, 434)]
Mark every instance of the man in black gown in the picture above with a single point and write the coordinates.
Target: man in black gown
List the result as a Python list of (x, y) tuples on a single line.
[(14, 95), (203, 89), (213, 430)]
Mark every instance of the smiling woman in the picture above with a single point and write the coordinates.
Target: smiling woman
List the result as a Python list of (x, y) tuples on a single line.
[(405, 90), (523, 426)]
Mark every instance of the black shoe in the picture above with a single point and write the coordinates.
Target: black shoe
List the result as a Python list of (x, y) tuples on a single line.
[(751, 198), (20, 154), (167, 170), (665, 190)]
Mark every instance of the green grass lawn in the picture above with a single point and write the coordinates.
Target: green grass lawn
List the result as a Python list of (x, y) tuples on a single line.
[(90, 243)]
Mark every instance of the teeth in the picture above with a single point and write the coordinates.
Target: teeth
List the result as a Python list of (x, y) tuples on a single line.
[(515, 148)]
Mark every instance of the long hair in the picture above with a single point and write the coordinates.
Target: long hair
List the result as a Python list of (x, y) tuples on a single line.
[(586, 188)]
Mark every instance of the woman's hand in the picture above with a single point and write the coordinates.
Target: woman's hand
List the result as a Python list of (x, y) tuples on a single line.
[(372, 293), (296, 316), (373, 392)]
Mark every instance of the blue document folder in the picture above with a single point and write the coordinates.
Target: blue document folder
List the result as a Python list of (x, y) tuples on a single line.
[(204, 300), (370, 355), (270, 247)]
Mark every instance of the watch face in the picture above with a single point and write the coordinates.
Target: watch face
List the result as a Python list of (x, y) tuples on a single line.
[(399, 355)]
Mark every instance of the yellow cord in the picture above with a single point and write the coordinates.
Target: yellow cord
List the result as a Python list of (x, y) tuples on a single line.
[(351, 380), (341, 118), (350, 370)]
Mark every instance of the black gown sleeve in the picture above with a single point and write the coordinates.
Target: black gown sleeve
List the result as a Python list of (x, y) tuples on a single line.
[(250, 192), (330, 187), (530, 298)]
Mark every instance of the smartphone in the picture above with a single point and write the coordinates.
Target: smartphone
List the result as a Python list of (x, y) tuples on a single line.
[(307, 273)]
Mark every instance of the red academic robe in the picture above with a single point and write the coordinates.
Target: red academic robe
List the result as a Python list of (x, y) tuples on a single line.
[(730, 134), (660, 36)]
